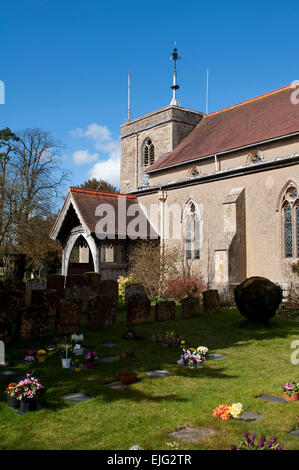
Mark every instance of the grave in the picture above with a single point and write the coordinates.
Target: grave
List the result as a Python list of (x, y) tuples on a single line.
[(109, 358), (189, 306), (117, 386), (165, 310), (76, 397), (246, 416), (294, 433), (188, 434), (138, 308), (158, 373), (110, 345), (273, 399), (216, 356)]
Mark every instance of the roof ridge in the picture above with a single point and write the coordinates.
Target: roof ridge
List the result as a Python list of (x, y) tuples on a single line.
[(249, 101), (99, 192)]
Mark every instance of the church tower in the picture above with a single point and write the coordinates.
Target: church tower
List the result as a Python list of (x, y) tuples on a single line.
[(145, 139)]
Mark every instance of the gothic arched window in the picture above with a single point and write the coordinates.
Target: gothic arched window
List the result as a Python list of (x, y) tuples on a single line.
[(290, 222), (191, 222), (148, 153)]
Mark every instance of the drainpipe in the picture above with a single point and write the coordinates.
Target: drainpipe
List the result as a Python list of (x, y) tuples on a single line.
[(216, 163), (162, 195), (136, 164)]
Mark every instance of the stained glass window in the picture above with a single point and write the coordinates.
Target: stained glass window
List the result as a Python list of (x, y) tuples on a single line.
[(196, 238), (288, 231)]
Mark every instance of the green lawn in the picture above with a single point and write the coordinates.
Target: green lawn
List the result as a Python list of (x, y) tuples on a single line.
[(258, 362)]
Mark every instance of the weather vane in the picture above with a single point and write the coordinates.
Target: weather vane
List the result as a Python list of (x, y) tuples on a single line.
[(174, 56)]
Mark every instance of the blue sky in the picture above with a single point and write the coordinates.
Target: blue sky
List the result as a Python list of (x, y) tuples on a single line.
[(65, 63)]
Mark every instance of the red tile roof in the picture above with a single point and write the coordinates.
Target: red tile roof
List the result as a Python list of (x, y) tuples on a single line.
[(263, 118), (87, 201)]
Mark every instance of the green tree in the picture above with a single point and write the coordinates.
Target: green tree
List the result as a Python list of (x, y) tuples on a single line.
[(99, 185)]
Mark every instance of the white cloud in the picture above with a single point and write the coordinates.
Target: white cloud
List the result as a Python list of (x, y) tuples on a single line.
[(108, 166), (81, 157), (108, 170)]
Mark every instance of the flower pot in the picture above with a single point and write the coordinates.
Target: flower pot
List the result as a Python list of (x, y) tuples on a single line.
[(293, 397), (28, 404), (66, 363), (89, 364), (12, 402), (127, 378)]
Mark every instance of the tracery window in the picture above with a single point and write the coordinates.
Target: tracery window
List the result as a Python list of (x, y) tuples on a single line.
[(148, 153), (192, 226), (290, 222)]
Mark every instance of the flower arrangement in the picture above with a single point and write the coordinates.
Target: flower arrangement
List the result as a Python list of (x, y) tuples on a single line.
[(78, 365), (90, 359), (29, 359), (169, 338), (77, 339), (66, 350), (131, 334), (191, 356), (10, 390), (27, 389), (290, 387), (41, 355), (226, 412), (251, 444)]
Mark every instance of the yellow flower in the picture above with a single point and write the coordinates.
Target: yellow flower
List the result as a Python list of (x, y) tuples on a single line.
[(183, 342), (236, 410)]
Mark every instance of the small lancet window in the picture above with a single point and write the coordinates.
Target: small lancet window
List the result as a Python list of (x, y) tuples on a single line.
[(192, 232), (290, 222), (149, 153)]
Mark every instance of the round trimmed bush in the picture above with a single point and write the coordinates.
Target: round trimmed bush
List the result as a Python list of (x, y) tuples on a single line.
[(257, 298)]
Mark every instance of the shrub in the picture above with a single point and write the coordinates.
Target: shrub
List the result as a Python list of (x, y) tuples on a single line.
[(180, 286), (257, 298), (122, 283), (152, 264)]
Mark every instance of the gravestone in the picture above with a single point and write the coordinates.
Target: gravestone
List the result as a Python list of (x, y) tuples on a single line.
[(33, 322), (76, 397), (68, 317), (110, 287), (74, 280), (165, 310), (211, 300), (100, 312), (33, 284), (158, 373), (246, 416), (47, 298), (56, 281), (2, 353), (91, 282), (138, 308), (132, 289), (188, 434), (189, 306)]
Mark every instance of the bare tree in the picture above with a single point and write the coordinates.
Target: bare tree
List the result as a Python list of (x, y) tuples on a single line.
[(152, 266)]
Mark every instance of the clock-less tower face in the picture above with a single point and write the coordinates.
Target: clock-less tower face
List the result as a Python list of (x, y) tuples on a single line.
[(145, 139)]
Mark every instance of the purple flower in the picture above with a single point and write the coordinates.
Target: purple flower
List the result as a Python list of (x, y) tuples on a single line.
[(246, 434), (252, 436), (233, 447)]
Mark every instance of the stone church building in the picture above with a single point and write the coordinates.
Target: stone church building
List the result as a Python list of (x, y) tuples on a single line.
[(223, 187)]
